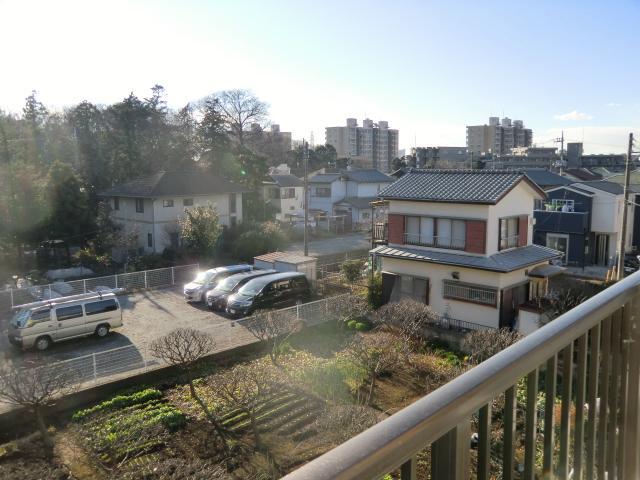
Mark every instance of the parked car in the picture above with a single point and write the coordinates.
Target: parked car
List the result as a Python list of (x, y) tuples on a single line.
[(39, 324), (217, 298), (271, 291), (197, 289)]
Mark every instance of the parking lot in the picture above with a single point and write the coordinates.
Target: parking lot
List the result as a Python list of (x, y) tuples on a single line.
[(147, 314)]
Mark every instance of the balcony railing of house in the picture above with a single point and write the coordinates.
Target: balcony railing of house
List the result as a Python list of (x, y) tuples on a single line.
[(558, 221), (434, 241), (590, 359), (380, 232)]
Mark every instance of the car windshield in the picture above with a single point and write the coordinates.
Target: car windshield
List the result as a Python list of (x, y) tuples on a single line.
[(204, 277), (228, 284), (20, 318), (251, 288)]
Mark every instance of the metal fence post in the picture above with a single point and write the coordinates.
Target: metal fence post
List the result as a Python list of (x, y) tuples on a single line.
[(49, 286), (95, 368), (173, 277), (11, 293), (298, 312), (116, 275), (145, 279), (84, 285)]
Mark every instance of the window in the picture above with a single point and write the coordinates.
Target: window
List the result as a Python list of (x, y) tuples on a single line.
[(509, 232), (67, 313), (436, 232), (187, 202), (116, 203), (167, 203), (467, 292), (232, 203), (322, 192), (412, 288), (102, 306), (41, 316), (288, 192), (365, 215), (140, 205), (149, 240)]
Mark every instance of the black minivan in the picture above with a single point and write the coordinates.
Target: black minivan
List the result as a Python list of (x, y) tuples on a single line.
[(271, 291), (217, 298)]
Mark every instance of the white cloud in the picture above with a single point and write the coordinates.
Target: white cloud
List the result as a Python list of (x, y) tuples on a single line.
[(575, 115), (613, 104)]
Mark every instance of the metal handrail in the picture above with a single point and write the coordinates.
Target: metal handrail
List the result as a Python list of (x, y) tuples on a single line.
[(392, 442)]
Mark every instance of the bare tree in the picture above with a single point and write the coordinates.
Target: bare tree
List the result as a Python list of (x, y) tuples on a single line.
[(483, 344), (36, 387), (245, 387), (375, 353), (408, 318), (239, 109), (342, 422), (348, 307), (183, 348), (273, 328)]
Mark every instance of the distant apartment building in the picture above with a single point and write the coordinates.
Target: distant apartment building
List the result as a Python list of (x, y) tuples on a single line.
[(439, 157), (577, 159), (373, 145), (499, 137), (525, 157)]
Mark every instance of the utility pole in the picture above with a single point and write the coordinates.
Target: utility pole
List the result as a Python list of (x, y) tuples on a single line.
[(305, 153), (561, 142), (623, 230)]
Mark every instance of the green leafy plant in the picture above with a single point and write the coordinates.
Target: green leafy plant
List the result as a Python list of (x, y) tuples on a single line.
[(374, 291), (362, 326), (352, 270), (119, 402)]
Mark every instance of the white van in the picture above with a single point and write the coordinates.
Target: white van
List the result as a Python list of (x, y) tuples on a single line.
[(40, 324)]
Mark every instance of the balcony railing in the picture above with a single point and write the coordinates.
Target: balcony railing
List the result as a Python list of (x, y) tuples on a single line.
[(434, 241), (380, 232), (590, 357)]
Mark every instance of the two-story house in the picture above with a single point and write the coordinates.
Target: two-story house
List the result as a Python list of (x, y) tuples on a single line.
[(461, 241), (583, 220), (347, 194), (149, 208), (284, 195)]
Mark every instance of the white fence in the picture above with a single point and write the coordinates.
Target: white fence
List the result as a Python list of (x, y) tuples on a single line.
[(160, 277), (122, 362)]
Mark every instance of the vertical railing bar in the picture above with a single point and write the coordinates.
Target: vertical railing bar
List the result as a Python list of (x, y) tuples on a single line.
[(604, 397), (531, 426), (450, 453), (616, 325), (549, 405), (408, 469), (581, 381), (509, 434), (484, 444), (624, 382), (632, 423), (592, 394), (565, 410)]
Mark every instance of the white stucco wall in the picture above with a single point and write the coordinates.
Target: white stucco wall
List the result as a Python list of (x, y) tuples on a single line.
[(436, 273), (291, 205)]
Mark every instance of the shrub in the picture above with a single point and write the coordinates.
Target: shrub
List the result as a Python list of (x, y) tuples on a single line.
[(352, 270), (351, 324), (362, 326), (374, 291), (484, 344), (262, 238)]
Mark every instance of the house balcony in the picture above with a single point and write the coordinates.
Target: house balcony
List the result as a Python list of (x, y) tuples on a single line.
[(380, 233), (576, 415), (561, 222)]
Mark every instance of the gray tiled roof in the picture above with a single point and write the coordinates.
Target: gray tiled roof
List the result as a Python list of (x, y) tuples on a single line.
[(287, 181), (609, 187), (506, 261), (365, 175), (358, 202), (545, 178), (174, 183), (457, 186)]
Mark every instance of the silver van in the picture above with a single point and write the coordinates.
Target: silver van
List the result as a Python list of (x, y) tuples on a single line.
[(40, 324)]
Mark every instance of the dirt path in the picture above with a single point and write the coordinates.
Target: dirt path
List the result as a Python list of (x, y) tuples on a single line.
[(76, 459)]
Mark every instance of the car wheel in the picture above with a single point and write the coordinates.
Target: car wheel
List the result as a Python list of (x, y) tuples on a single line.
[(102, 331), (43, 343)]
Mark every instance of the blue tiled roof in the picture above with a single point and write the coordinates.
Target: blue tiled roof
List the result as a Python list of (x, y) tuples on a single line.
[(506, 261), (456, 186), (365, 175)]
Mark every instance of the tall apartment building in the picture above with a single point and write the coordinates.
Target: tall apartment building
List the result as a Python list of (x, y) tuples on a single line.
[(373, 145), (499, 137)]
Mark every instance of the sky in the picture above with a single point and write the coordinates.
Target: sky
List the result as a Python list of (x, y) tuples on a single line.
[(427, 67)]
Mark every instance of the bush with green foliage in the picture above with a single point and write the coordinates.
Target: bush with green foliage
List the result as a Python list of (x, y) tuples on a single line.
[(119, 401), (260, 239), (352, 270), (362, 326), (351, 324), (374, 291)]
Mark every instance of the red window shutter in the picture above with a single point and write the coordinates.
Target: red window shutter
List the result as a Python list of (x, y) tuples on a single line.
[(476, 236), (396, 228), (523, 231)]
